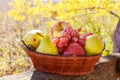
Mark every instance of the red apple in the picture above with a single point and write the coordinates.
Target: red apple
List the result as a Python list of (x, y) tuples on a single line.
[(59, 27), (74, 49)]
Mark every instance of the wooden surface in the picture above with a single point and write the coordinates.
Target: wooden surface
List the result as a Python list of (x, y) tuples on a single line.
[(105, 69)]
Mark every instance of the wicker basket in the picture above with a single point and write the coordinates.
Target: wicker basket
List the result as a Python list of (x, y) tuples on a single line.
[(65, 65)]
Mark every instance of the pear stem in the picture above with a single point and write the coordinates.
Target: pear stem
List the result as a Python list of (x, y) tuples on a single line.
[(40, 34)]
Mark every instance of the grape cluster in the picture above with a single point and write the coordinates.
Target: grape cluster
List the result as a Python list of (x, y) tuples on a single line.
[(68, 35)]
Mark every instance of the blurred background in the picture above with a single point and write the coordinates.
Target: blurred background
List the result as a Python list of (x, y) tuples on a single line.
[(17, 17)]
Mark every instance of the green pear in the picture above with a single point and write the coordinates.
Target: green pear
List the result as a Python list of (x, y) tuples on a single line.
[(47, 47), (93, 45), (33, 38)]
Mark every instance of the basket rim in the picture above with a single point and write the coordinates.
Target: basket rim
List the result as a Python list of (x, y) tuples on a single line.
[(39, 53)]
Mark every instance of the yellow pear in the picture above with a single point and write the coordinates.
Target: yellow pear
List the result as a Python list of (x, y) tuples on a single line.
[(47, 47), (33, 38), (93, 45)]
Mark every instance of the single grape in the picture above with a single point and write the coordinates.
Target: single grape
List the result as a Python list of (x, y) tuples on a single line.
[(66, 39), (83, 37), (56, 37), (73, 33), (63, 33), (60, 50), (68, 31), (77, 35), (55, 40), (63, 40), (60, 45), (74, 39), (88, 34), (69, 37), (79, 29), (66, 44), (81, 42)]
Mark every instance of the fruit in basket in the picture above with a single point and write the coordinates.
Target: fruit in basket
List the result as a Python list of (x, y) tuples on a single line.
[(59, 27), (55, 40), (47, 47), (68, 35), (32, 39), (74, 49), (71, 42), (84, 36), (81, 42), (93, 45)]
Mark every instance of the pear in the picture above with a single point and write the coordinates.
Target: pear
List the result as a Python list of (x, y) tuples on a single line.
[(33, 38), (93, 45), (47, 47)]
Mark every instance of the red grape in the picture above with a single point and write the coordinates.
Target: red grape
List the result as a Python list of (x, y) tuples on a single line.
[(73, 33), (81, 42), (55, 40), (66, 44), (79, 29), (66, 39), (69, 37), (60, 45), (88, 34), (63, 33), (70, 29), (56, 37), (83, 37), (60, 50), (74, 39), (77, 35), (63, 40), (67, 31)]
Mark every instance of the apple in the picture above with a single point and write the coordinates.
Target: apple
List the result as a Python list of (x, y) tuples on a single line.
[(74, 49), (32, 39), (93, 45), (59, 27)]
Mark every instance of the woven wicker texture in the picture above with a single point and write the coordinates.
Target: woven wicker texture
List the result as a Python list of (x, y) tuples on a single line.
[(64, 65)]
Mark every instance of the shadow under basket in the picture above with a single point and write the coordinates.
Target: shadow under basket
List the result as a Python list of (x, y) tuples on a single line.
[(65, 65)]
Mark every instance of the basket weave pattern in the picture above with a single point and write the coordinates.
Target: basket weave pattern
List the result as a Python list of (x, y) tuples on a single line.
[(74, 66)]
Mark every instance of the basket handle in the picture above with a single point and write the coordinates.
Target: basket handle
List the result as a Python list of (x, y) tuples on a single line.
[(59, 24)]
